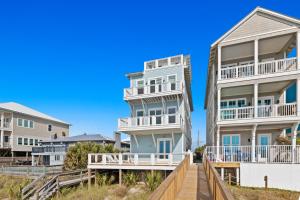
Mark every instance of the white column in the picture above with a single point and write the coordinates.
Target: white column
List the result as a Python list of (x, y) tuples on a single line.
[(294, 141), (237, 176), (298, 50), (255, 99), (222, 173), (256, 57), (253, 143), (298, 96), (219, 104), (218, 143), (219, 62), (32, 161), (2, 131)]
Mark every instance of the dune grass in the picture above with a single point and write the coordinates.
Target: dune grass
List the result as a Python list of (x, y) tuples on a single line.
[(107, 192), (249, 193), (11, 186)]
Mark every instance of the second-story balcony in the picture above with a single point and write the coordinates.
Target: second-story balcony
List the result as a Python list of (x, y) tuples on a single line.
[(150, 122), (153, 90), (248, 70), (49, 149)]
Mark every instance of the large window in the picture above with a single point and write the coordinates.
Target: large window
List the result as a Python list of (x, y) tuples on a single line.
[(25, 141), (25, 123), (172, 115), (31, 142), (20, 141), (231, 140), (233, 103)]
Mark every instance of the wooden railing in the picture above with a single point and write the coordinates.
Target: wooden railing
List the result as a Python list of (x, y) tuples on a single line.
[(217, 187), (170, 187)]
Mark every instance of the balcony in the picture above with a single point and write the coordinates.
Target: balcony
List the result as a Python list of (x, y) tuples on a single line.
[(153, 90), (150, 122), (265, 111), (264, 68)]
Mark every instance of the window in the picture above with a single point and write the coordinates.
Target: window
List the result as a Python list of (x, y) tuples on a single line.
[(140, 86), (63, 134), (30, 124), (20, 141), (25, 141), (6, 138), (20, 122), (49, 127), (36, 142), (26, 123), (31, 142), (171, 115), (57, 157), (233, 103), (55, 136), (140, 118), (231, 140), (172, 82)]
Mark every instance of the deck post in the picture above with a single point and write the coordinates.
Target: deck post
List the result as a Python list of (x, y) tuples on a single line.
[(219, 62), (298, 50), (255, 99), (2, 131), (298, 96), (120, 177), (256, 57), (222, 173), (237, 176), (218, 143), (89, 178), (253, 143), (294, 142)]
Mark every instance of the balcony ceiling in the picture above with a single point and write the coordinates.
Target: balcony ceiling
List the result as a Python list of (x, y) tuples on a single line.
[(245, 50), (249, 90)]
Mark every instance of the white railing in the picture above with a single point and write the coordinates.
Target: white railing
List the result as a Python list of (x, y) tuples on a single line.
[(6, 125), (269, 67), (277, 110), (135, 158), (237, 71), (275, 66), (154, 89), (158, 120), (237, 113), (263, 154)]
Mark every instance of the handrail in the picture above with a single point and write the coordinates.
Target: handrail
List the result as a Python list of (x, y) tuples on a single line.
[(169, 188), (217, 187)]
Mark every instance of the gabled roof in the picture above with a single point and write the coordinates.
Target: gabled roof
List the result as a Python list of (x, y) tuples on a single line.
[(15, 107), (257, 10)]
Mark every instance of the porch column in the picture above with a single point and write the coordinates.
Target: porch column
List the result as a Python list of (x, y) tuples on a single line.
[(294, 141), (219, 62), (218, 143), (298, 50), (253, 143), (256, 57), (255, 99), (219, 104), (2, 131), (298, 96)]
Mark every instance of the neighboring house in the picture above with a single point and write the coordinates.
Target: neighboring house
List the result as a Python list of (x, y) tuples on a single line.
[(248, 99), (52, 152), (21, 128)]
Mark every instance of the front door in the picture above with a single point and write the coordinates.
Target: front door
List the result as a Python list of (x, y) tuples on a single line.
[(265, 106), (263, 141), (164, 148), (140, 118)]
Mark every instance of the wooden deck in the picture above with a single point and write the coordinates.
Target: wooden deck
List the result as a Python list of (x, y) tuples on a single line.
[(195, 185)]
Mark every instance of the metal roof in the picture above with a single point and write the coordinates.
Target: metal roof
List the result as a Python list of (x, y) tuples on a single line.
[(81, 138)]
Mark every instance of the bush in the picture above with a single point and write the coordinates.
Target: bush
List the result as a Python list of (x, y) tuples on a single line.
[(104, 179), (130, 178), (153, 180), (77, 156)]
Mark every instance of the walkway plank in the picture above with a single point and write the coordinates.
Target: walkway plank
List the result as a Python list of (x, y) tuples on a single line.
[(194, 185)]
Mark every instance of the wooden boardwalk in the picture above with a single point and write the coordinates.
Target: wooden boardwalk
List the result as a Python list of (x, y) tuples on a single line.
[(195, 185)]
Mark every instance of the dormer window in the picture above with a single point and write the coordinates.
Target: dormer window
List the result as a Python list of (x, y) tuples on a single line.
[(49, 127)]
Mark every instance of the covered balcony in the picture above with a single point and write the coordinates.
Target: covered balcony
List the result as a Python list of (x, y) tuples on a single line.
[(260, 102), (165, 121), (264, 57)]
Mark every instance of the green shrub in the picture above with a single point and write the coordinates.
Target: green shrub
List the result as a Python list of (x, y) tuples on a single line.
[(104, 179), (77, 156), (130, 178), (153, 180)]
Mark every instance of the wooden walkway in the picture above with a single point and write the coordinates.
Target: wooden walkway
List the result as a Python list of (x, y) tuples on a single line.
[(195, 185)]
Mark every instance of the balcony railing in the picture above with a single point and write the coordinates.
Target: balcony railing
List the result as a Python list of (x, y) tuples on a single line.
[(149, 121), (262, 153), (269, 67), (49, 149), (135, 158), (154, 89), (275, 110)]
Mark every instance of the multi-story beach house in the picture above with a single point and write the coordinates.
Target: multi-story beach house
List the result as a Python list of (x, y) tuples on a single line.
[(22, 128), (251, 98), (159, 123)]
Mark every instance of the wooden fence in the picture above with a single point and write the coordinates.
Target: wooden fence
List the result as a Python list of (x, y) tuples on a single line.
[(169, 188), (217, 187)]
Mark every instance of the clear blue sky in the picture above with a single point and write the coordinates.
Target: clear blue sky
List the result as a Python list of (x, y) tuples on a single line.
[(68, 58)]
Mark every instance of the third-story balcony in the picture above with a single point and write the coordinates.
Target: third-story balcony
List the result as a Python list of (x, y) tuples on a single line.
[(264, 68), (153, 90), (150, 122), (263, 111)]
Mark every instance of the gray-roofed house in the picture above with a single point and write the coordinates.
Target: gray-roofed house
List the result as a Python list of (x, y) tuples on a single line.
[(52, 152)]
